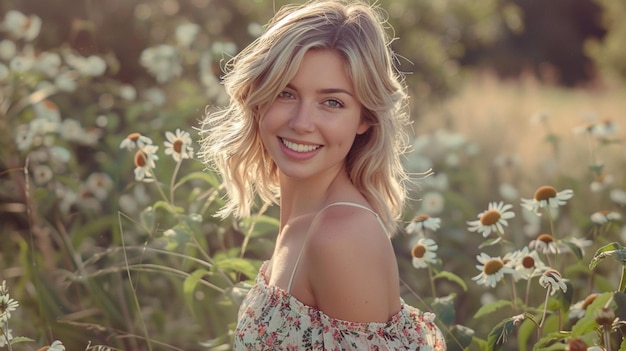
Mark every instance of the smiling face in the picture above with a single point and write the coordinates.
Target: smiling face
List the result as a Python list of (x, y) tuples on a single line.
[(310, 127)]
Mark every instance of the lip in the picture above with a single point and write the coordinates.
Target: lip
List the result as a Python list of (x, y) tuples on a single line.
[(300, 156)]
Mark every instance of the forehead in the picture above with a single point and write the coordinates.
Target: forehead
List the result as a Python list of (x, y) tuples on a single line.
[(323, 68)]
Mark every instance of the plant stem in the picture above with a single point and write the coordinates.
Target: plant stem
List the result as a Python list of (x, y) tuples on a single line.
[(432, 281), (606, 333), (622, 281), (156, 181), (5, 333), (545, 308), (173, 181), (130, 281), (514, 294)]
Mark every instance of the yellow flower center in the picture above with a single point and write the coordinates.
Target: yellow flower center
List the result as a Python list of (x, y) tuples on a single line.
[(133, 136), (490, 217), (178, 146), (605, 316), (544, 193), (528, 262), (50, 105), (418, 251), (576, 344), (589, 300), (546, 238), (421, 218), (606, 212), (493, 266), (551, 273), (140, 159)]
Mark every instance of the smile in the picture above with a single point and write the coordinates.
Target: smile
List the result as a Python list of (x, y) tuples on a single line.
[(299, 147)]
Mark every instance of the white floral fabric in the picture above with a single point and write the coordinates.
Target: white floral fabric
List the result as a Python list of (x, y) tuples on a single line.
[(272, 319)]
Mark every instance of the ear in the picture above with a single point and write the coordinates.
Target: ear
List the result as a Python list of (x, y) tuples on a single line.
[(363, 127)]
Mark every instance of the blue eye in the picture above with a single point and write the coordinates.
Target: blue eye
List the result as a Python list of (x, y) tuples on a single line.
[(285, 95), (333, 103)]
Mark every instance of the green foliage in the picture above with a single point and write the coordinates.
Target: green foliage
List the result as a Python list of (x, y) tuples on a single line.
[(97, 253), (608, 53)]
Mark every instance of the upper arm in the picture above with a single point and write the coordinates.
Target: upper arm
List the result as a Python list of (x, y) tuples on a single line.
[(349, 258)]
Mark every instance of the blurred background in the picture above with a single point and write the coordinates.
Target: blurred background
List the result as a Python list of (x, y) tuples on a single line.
[(501, 91)]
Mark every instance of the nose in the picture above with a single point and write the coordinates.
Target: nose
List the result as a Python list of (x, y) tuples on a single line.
[(301, 119)]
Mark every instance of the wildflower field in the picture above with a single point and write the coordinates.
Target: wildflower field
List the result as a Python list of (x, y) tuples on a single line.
[(109, 239)]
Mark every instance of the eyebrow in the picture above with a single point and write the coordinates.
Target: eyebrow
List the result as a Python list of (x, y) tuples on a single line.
[(326, 91)]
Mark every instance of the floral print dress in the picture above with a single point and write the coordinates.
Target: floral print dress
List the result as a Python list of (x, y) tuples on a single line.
[(272, 319)]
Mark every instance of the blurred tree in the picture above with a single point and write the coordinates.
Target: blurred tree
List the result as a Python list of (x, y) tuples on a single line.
[(551, 44), (609, 52)]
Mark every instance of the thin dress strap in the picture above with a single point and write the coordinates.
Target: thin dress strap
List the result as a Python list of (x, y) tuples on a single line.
[(306, 239)]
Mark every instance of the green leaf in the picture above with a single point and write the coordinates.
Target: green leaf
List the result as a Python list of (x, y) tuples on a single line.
[(236, 264), (552, 341), (444, 308), (189, 287), (620, 301), (263, 225), (588, 323), (501, 332), (490, 242), (491, 307), (526, 330), (481, 343), (452, 277), (208, 177), (613, 249), (19, 339), (463, 337), (168, 207), (575, 248)]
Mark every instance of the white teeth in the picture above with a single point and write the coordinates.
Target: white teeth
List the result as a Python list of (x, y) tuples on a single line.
[(299, 147)]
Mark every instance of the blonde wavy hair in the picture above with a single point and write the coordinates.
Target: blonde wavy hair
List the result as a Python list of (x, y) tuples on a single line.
[(230, 140)]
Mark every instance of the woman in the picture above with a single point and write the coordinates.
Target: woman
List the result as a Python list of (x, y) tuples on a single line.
[(315, 125)]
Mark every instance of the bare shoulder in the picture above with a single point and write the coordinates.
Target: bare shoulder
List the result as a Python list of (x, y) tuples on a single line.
[(352, 266)]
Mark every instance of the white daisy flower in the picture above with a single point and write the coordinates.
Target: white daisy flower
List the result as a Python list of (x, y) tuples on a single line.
[(545, 244), (7, 305), (494, 219), (492, 270), (135, 140), (48, 63), (601, 182), (618, 196), (91, 66), (22, 26), (66, 81), (424, 253), (602, 217), (421, 222), (24, 137), (547, 197), (186, 34), (178, 145), (57, 346), (99, 184), (577, 310), (145, 162), (6, 339), (551, 279), (8, 50), (162, 61), (432, 203), (527, 264), (42, 174), (127, 92)]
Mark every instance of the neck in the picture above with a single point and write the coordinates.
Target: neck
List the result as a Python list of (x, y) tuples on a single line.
[(300, 197)]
